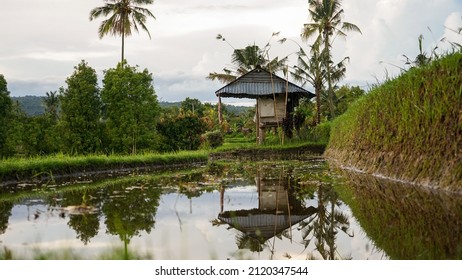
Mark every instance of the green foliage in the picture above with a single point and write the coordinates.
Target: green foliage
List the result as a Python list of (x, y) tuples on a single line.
[(409, 127), (319, 133), (34, 135), (193, 106), (181, 132), (51, 103), (5, 112), (81, 111), (131, 109), (65, 164), (346, 95), (213, 139)]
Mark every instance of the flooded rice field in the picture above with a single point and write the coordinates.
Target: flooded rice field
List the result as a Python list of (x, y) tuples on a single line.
[(248, 210)]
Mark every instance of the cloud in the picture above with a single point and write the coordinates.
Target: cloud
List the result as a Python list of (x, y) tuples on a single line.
[(453, 25), (44, 40), (390, 30), (33, 87)]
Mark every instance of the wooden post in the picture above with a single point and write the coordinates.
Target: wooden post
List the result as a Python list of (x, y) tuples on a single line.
[(257, 123), (222, 199), (220, 114)]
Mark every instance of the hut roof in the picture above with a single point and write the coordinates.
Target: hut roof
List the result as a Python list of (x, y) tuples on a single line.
[(263, 225), (260, 83)]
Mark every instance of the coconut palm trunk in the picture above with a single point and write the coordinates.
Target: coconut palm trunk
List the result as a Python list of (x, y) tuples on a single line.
[(330, 91)]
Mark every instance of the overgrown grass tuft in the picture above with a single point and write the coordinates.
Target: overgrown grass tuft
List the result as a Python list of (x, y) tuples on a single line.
[(407, 128)]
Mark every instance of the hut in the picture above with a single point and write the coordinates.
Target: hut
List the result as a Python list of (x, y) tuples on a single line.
[(278, 210), (276, 98)]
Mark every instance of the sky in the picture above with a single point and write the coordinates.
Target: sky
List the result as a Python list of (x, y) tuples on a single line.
[(43, 40)]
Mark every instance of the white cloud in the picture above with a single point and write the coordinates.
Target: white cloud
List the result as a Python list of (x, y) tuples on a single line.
[(453, 23), (44, 40)]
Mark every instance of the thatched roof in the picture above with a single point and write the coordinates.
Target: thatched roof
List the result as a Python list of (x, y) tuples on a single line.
[(259, 83)]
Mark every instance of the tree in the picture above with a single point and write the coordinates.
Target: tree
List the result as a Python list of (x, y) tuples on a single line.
[(81, 110), (311, 70), (346, 96), (327, 23), (181, 131), (6, 105), (124, 15), (51, 102), (131, 108), (247, 59), (194, 106)]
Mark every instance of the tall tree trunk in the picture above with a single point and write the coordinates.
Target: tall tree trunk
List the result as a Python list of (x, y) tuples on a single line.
[(317, 90), (123, 44), (330, 92)]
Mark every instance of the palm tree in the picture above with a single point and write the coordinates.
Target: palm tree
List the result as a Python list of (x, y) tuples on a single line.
[(311, 70), (327, 23), (245, 60), (51, 102), (124, 15)]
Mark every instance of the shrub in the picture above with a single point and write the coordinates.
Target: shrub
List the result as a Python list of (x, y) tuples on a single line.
[(212, 139)]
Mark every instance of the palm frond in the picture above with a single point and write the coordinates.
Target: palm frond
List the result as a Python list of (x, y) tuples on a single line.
[(347, 26), (222, 77)]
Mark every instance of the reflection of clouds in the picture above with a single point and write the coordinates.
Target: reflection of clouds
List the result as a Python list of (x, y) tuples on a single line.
[(362, 247)]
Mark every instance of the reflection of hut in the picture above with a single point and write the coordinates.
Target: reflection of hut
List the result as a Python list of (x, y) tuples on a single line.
[(276, 97), (277, 211)]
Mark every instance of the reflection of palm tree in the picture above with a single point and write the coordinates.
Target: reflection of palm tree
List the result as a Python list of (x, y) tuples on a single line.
[(324, 225), (245, 241)]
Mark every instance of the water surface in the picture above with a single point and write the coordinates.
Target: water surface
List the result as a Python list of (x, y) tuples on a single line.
[(260, 210)]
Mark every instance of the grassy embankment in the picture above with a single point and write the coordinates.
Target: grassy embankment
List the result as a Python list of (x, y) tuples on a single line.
[(409, 128), (62, 165), (51, 166)]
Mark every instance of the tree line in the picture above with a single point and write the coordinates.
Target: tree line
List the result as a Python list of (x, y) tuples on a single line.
[(123, 117)]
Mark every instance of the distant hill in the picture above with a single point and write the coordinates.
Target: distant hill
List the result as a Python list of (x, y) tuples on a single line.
[(33, 106)]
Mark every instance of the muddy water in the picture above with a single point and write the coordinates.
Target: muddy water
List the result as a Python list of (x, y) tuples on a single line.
[(248, 210)]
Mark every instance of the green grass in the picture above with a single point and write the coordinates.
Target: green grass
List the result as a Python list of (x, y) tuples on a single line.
[(271, 143), (408, 128), (61, 164), (65, 164)]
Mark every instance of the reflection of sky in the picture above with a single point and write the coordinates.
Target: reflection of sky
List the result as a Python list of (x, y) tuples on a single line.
[(182, 230), (27, 235)]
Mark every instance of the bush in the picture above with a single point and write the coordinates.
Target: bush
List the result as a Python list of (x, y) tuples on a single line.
[(318, 134), (212, 139), (321, 132)]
